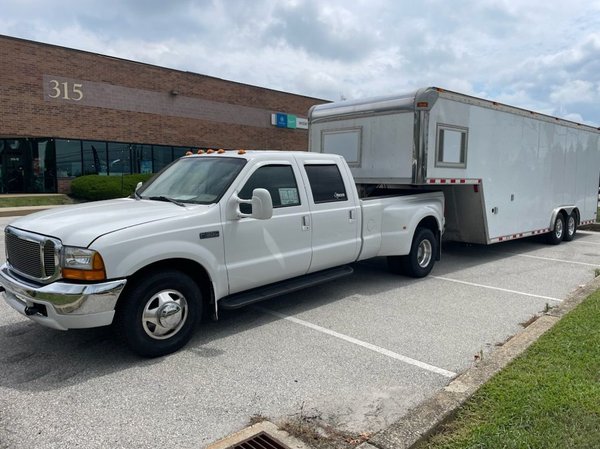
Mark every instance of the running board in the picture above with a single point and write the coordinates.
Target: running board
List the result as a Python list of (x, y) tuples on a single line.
[(238, 300)]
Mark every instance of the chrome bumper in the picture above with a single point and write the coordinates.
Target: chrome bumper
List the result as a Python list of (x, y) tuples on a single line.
[(67, 306)]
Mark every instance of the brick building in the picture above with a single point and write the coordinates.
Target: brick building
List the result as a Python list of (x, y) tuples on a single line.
[(66, 113)]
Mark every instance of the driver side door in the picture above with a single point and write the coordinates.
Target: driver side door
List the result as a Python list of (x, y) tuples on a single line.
[(260, 252)]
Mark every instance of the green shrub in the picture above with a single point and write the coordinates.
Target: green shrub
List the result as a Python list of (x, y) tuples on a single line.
[(97, 187)]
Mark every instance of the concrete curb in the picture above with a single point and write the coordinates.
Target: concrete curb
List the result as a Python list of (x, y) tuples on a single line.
[(423, 420)]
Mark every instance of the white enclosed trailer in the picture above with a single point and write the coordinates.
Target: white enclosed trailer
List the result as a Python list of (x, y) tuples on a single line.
[(506, 172)]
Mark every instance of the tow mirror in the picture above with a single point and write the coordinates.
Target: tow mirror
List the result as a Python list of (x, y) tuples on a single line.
[(261, 202)]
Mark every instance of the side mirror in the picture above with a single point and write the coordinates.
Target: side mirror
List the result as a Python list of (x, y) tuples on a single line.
[(138, 185), (262, 206)]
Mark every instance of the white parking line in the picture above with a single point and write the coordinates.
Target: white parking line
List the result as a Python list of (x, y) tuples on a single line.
[(556, 260), (386, 352), (472, 284), (585, 242)]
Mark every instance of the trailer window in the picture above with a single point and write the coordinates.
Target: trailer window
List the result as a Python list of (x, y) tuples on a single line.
[(345, 142), (451, 148), (326, 183)]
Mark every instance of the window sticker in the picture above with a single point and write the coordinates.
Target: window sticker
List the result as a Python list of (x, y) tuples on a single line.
[(289, 196)]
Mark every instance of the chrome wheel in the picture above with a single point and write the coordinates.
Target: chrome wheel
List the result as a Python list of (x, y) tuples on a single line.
[(559, 229), (424, 253), (164, 314), (571, 225)]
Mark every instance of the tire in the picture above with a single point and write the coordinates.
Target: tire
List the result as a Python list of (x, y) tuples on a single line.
[(557, 234), (158, 315), (570, 227), (421, 259)]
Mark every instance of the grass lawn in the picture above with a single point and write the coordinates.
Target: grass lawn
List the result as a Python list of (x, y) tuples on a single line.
[(549, 398), (34, 200)]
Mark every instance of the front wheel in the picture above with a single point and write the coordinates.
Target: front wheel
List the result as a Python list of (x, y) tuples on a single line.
[(159, 313), (419, 262)]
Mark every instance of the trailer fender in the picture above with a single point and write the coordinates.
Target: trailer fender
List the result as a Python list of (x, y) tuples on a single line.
[(567, 211)]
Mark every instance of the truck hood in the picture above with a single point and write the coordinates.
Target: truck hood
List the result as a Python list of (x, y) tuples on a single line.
[(79, 225)]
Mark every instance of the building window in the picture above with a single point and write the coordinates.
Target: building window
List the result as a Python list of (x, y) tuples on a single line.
[(94, 157), (68, 158), (119, 159), (163, 156), (451, 147), (141, 155)]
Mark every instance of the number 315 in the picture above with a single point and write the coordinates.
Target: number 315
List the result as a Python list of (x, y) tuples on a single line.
[(61, 90)]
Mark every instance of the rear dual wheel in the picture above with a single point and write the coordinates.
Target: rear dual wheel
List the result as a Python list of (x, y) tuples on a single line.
[(421, 259)]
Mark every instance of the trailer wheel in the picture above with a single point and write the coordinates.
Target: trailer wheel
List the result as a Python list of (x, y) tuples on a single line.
[(571, 227), (557, 235), (419, 262), (159, 314)]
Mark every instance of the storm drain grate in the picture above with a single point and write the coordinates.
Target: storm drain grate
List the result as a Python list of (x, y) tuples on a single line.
[(260, 441)]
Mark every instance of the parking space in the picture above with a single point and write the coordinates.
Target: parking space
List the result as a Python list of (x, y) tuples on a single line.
[(358, 353)]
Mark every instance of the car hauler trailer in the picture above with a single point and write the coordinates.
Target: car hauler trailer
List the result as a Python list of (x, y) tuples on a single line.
[(506, 172)]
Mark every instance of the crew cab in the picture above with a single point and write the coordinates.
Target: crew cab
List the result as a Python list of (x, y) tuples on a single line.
[(210, 232)]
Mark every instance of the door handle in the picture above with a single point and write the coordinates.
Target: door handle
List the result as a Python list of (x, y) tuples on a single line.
[(351, 215), (305, 223)]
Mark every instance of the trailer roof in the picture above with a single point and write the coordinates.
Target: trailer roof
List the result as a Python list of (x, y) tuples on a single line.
[(421, 99)]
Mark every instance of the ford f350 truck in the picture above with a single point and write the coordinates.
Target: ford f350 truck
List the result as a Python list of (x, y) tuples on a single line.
[(209, 232)]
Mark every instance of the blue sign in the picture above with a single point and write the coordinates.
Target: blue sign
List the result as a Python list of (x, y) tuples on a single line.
[(282, 120)]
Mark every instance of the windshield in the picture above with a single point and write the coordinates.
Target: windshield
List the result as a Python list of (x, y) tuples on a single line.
[(198, 180)]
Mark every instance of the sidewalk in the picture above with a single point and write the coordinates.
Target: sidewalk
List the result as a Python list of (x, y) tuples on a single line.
[(23, 210)]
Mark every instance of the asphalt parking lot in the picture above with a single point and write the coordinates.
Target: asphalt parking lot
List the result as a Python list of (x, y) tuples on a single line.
[(358, 353)]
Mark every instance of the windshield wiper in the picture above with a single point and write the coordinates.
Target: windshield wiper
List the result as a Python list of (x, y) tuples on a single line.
[(165, 198)]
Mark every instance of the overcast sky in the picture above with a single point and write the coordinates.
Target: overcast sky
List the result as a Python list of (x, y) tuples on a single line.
[(542, 55)]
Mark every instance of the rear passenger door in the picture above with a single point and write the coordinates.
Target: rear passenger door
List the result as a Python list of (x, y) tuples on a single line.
[(334, 217)]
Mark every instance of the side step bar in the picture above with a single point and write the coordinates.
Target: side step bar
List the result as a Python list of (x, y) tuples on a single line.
[(238, 300)]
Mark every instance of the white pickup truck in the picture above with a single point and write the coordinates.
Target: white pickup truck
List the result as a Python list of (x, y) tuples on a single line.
[(210, 231)]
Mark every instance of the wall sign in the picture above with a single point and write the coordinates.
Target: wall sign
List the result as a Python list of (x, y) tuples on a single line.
[(60, 89), (290, 121)]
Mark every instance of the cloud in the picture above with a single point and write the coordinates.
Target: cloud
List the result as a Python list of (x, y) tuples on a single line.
[(539, 55)]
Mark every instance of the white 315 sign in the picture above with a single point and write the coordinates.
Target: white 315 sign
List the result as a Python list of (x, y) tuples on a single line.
[(65, 90)]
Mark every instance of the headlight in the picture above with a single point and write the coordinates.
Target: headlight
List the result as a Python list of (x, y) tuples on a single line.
[(82, 264)]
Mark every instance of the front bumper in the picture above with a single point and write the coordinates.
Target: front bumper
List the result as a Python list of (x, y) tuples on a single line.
[(65, 306)]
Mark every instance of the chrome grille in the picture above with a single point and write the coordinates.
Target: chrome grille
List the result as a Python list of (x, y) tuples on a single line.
[(49, 268), (31, 255)]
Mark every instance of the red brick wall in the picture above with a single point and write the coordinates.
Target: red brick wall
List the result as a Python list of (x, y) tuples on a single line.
[(131, 102)]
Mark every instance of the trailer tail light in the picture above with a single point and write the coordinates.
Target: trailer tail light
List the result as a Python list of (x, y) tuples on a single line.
[(422, 104)]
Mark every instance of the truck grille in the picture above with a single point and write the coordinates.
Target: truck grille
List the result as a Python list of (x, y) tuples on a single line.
[(32, 255)]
